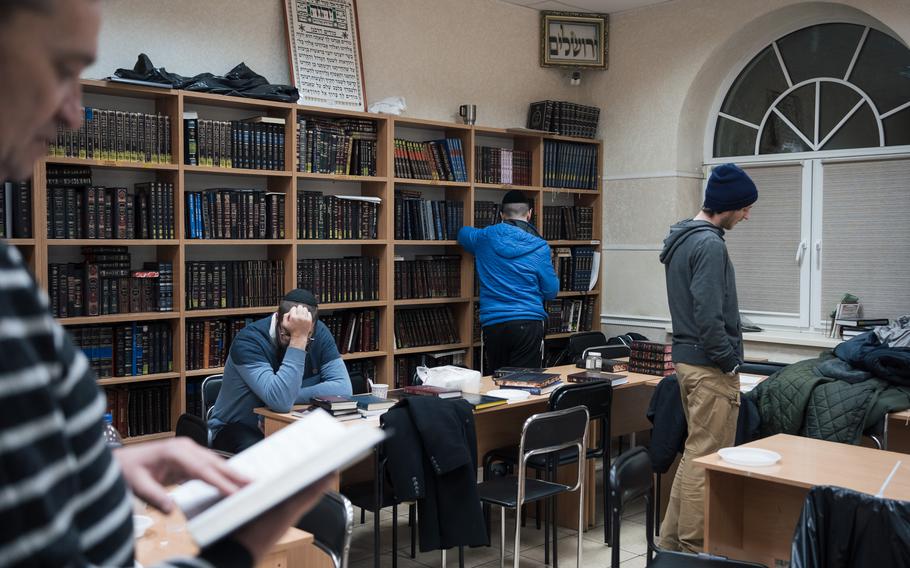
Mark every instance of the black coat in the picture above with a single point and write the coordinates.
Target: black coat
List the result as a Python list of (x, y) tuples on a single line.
[(432, 458), (668, 436)]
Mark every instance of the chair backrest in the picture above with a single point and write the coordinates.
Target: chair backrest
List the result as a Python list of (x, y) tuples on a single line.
[(194, 428), (211, 386), (578, 342), (608, 351), (631, 477), (596, 397), (359, 384), (553, 431), (331, 522)]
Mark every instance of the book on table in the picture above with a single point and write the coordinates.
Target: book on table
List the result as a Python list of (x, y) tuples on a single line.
[(334, 402), (503, 371), (527, 379), (481, 401), (597, 377), (429, 390), (279, 467), (535, 390), (370, 402)]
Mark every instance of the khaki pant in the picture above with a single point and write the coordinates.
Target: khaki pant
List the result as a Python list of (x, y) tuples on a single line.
[(710, 400)]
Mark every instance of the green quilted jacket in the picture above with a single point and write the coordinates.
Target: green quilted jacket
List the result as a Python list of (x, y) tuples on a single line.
[(797, 400)]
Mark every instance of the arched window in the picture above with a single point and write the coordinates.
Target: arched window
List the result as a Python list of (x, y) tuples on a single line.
[(825, 87), (820, 119)]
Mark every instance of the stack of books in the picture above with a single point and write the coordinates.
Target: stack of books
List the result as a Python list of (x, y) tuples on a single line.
[(597, 377), (851, 327), (563, 117), (651, 358), (369, 405), (341, 407), (429, 390), (534, 381)]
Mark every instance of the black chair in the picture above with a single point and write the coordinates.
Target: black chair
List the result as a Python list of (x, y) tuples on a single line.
[(544, 434), (578, 342), (331, 522), (359, 384), (631, 477), (606, 351), (194, 428), (598, 399), (211, 386)]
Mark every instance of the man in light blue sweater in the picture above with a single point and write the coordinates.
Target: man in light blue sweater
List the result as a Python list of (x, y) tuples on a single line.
[(286, 358)]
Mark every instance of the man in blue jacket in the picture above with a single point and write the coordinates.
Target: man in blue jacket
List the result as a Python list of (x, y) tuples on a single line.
[(283, 359), (516, 278), (707, 343)]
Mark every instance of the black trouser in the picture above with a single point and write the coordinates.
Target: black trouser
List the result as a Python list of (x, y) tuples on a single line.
[(516, 343), (236, 437)]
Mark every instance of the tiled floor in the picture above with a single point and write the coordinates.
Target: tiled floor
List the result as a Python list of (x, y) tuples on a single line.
[(595, 554)]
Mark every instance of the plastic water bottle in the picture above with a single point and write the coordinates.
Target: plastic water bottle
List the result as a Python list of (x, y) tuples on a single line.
[(111, 435)]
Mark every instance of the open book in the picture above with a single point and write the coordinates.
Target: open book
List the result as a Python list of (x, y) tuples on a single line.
[(279, 466)]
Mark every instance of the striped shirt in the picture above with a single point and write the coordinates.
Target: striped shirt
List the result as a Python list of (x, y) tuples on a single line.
[(63, 499)]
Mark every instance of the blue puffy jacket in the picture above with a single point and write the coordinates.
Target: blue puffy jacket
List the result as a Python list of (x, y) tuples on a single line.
[(515, 271)]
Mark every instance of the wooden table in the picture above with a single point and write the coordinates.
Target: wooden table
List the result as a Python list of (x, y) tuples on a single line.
[(168, 538), (751, 512), (500, 426)]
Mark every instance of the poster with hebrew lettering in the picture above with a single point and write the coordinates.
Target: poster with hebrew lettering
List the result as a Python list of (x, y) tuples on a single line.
[(324, 52), (569, 39)]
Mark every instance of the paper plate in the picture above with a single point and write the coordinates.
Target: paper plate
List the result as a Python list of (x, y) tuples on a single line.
[(509, 394), (753, 457)]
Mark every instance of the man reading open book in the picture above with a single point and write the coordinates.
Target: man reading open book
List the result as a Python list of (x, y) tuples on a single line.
[(286, 358)]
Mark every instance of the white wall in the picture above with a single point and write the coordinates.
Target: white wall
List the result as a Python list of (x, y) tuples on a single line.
[(438, 54)]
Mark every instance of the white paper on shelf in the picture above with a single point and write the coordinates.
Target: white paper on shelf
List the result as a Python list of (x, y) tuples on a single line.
[(369, 198), (595, 270)]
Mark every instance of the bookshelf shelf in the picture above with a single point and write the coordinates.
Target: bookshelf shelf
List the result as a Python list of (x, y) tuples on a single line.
[(147, 438), (20, 242), (568, 190), (112, 164), (180, 251), (363, 355), (137, 379), (336, 177), (222, 312), (505, 186), (353, 305), (432, 182), (431, 348), (236, 171), (138, 317), (111, 242), (237, 242), (204, 372), (315, 242), (430, 301)]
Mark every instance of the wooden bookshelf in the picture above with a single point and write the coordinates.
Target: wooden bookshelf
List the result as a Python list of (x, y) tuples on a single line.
[(40, 250)]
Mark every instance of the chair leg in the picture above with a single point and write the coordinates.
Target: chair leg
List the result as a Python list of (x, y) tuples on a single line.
[(552, 518), (412, 522), (605, 466), (460, 557), (657, 504), (537, 504), (502, 537), (394, 535), (546, 532), (517, 546)]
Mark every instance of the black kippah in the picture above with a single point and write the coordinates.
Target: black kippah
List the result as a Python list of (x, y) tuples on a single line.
[(515, 196), (300, 296)]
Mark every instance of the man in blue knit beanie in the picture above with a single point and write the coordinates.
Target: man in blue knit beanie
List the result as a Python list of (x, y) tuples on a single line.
[(707, 342)]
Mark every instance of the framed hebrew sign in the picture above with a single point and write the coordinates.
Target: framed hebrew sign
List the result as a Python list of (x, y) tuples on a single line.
[(572, 39), (324, 53)]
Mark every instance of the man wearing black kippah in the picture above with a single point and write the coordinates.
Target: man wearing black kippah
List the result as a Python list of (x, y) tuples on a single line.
[(286, 358), (516, 277), (707, 343)]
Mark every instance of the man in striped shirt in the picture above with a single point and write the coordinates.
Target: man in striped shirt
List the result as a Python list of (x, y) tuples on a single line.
[(64, 497)]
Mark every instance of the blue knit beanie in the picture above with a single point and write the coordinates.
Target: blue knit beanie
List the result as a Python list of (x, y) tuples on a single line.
[(729, 188)]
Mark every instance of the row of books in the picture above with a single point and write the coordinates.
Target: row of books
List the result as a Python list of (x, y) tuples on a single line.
[(127, 350), (573, 266), (252, 144), (365, 368), (116, 135), (94, 212), (139, 410), (425, 326), (565, 118), (434, 160), (424, 220), (340, 146), (651, 358), (208, 341), (16, 210), (104, 284), (334, 280), (336, 216), (235, 214), (234, 284), (428, 276), (486, 213), (406, 365), (354, 331), (571, 314), (569, 165), (568, 222), (502, 165)]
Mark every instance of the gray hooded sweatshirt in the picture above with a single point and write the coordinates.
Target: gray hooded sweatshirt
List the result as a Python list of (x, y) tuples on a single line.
[(701, 289)]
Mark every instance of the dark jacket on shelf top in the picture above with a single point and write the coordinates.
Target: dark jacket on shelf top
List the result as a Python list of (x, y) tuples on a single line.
[(432, 458)]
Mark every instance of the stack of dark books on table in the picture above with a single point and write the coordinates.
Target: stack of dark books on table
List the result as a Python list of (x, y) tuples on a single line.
[(651, 358), (341, 407), (534, 381), (851, 327)]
